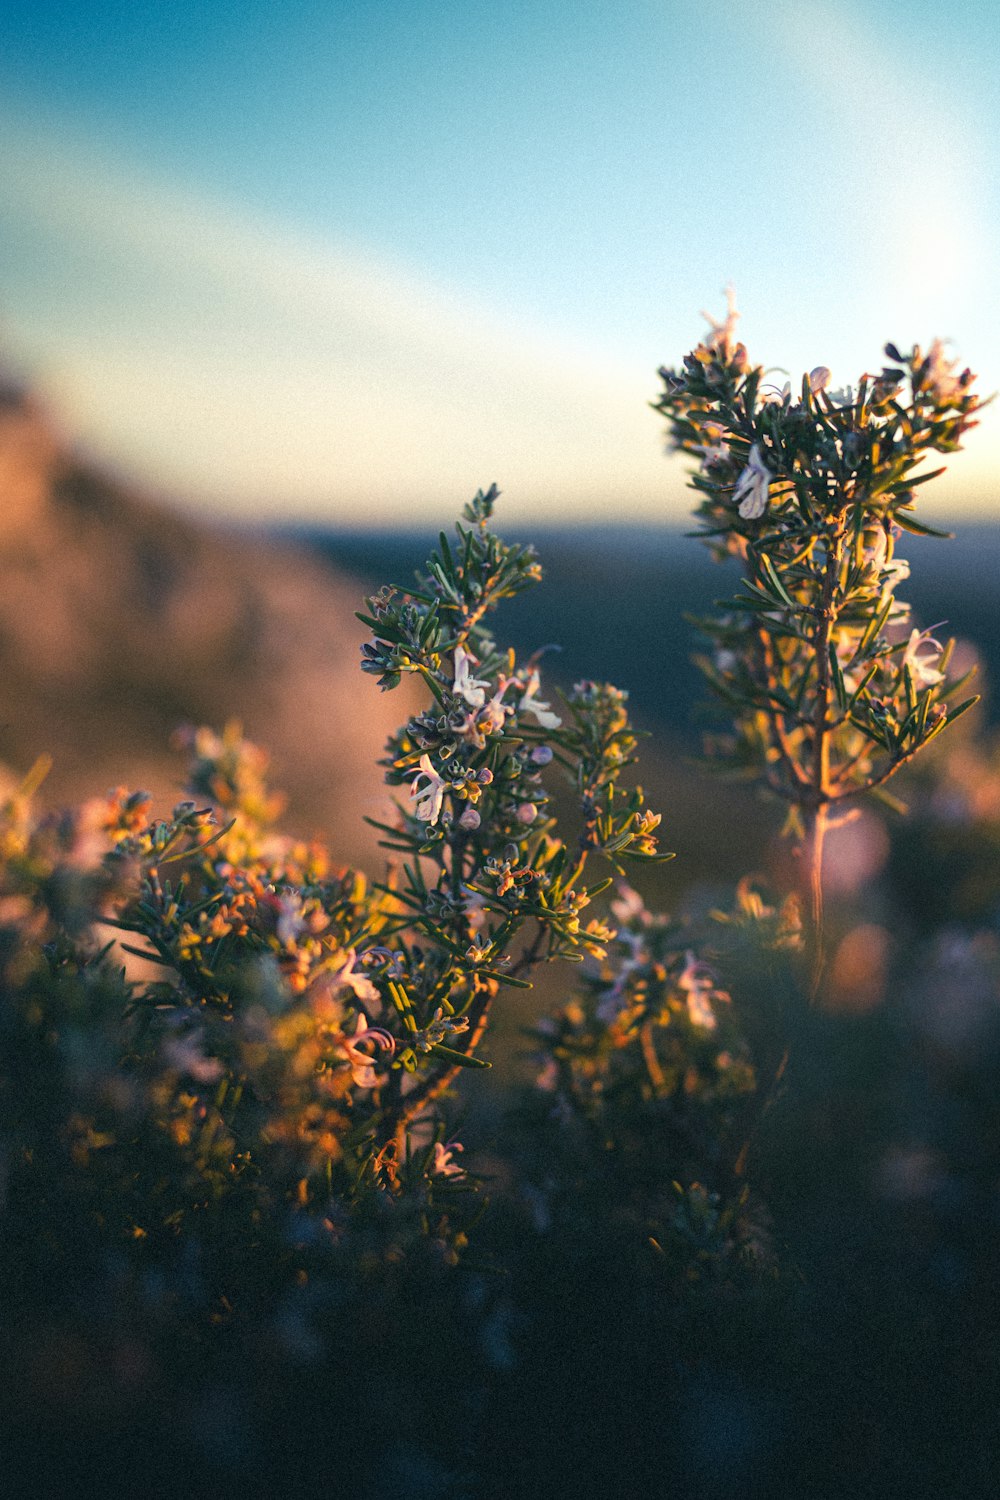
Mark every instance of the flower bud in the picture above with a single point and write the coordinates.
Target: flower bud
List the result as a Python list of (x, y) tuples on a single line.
[(527, 812), (541, 755), (470, 820)]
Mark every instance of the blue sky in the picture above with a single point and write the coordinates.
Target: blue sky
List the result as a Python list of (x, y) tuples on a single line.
[(349, 261)]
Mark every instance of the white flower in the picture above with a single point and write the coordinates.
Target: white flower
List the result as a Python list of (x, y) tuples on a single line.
[(363, 1073), (925, 674), (819, 379), (628, 905), (290, 921), (359, 984), (752, 486), (528, 704), (443, 1165), (890, 571), (696, 980), (494, 714), (427, 798), (472, 689)]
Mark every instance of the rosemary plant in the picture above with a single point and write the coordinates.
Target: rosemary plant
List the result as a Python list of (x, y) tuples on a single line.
[(830, 687)]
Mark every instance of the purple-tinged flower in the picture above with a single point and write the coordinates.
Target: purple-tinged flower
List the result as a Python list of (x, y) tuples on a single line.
[(362, 1070), (922, 651), (472, 689), (752, 486), (443, 1164), (346, 975), (698, 983), (530, 704), (427, 792)]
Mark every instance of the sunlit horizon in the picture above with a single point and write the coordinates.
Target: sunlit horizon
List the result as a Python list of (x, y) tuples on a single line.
[(324, 298)]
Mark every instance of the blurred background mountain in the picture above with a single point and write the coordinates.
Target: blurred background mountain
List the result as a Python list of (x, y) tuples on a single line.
[(121, 620)]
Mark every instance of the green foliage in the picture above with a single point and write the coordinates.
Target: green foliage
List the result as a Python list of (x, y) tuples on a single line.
[(811, 490), (214, 1032)]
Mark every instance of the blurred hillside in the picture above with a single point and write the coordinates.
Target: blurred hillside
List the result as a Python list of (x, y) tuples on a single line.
[(120, 621)]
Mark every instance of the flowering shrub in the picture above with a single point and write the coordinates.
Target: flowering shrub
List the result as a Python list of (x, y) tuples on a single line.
[(225, 1060), (830, 693), (277, 1057)]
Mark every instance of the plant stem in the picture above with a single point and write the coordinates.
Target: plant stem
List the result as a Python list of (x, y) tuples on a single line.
[(820, 788), (814, 854)]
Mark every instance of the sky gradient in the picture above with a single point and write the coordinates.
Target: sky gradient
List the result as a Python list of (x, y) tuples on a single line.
[(348, 262)]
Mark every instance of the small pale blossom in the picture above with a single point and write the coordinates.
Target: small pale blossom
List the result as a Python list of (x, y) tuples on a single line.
[(427, 792), (362, 1071), (470, 820), (698, 984), (890, 570), (530, 704), (548, 1078), (291, 921), (752, 486), (185, 1054), (472, 689), (922, 651), (443, 1164), (495, 712), (346, 975), (819, 379), (628, 905), (490, 719)]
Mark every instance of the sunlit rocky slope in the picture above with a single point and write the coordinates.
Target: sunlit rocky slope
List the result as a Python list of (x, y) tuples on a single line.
[(121, 620)]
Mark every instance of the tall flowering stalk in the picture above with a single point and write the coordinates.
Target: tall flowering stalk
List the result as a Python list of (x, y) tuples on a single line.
[(830, 688), (488, 884)]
